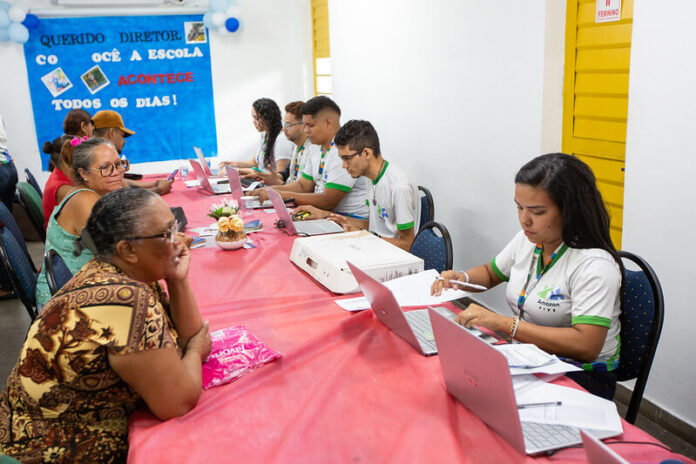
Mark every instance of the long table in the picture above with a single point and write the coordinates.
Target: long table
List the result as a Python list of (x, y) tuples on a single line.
[(346, 389)]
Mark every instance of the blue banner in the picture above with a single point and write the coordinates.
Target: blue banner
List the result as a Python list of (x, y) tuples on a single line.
[(153, 70)]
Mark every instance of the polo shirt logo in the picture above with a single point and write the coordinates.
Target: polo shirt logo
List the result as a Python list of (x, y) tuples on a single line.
[(550, 293)]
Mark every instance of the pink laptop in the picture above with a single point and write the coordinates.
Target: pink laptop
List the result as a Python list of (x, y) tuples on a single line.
[(598, 452), (478, 376)]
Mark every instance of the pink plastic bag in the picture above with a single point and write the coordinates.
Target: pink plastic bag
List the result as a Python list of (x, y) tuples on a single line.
[(235, 351)]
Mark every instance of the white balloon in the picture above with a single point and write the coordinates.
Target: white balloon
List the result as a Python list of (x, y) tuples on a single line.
[(4, 19), (218, 18), (18, 13), (18, 33)]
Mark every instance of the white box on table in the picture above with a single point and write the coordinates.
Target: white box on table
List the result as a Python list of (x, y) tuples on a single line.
[(324, 258)]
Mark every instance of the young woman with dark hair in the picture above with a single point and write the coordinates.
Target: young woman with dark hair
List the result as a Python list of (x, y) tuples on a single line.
[(274, 150), (60, 182), (78, 123), (563, 273)]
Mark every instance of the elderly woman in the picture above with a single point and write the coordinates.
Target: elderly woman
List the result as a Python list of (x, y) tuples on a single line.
[(97, 169), (109, 338), (562, 271)]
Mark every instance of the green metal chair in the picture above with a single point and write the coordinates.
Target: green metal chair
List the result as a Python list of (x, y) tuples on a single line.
[(31, 201)]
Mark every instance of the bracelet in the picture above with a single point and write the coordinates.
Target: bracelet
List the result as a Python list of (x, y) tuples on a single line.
[(466, 274), (513, 328)]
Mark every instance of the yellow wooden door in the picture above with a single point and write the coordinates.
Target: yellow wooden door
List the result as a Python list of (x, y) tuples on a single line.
[(320, 47), (595, 98)]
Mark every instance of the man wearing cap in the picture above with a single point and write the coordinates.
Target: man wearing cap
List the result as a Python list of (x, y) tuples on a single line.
[(109, 125)]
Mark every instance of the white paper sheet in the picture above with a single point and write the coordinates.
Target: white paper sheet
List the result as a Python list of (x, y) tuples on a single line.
[(192, 183), (577, 409), (410, 290)]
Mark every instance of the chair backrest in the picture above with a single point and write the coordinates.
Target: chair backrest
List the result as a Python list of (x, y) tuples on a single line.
[(31, 201), (434, 244), (32, 181), (18, 267), (7, 219), (57, 272), (642, 313), (427, 206)]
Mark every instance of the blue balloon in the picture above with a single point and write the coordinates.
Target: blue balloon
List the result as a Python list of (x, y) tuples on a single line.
[(31, 21), (232, 24), (218, 5), (208, 20), (4, 34), (18, 33), (4, 19), (5, 6)]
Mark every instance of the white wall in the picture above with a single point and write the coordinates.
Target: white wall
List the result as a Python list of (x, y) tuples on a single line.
[(270, 56), (659, 198), (455, 91)]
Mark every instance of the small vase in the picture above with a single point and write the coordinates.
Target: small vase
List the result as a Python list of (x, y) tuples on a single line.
[(228, 241)]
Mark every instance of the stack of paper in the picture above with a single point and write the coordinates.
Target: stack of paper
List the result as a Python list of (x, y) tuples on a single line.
[(525, 358)]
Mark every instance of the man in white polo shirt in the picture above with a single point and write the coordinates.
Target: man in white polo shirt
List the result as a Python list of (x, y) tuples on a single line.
[(392, 199), (324, 183)]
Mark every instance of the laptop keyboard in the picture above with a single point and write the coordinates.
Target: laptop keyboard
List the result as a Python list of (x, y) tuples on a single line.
[(316, 227), (422, 329), (549, 436)]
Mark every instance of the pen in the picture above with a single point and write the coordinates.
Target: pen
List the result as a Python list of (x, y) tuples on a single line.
[(465, 284), (537, 405)]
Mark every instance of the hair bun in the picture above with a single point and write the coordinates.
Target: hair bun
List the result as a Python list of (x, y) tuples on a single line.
[(48, 148)]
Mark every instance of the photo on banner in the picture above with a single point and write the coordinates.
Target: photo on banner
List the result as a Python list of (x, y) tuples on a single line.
[(153, 70)]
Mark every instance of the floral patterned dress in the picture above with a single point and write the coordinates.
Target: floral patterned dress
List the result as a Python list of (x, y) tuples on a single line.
[(63, 402)]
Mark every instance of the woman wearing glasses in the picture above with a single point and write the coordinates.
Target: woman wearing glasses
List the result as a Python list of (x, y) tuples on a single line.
[(107, 340), (97, 169), (274, 150)]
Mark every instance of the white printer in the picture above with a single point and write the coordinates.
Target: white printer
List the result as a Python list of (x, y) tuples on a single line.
[(324, 258)]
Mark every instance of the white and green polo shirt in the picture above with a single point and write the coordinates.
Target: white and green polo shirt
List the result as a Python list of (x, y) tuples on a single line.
[(326, 171), (393, 202), (580, 286), (282, 149)]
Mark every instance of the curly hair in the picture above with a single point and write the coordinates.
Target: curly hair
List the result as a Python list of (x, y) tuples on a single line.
[(269, 113), (116, 216)]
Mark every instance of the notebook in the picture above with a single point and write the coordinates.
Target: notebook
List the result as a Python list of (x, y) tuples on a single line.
[(205, 186), (481, 381), (312, 227), (413, 326)]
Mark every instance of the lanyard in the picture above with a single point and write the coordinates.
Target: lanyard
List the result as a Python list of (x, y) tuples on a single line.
[(537, 261), (296, 168), (323, 154)]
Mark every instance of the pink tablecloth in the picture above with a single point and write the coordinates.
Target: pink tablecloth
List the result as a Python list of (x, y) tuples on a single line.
[(346, 390)]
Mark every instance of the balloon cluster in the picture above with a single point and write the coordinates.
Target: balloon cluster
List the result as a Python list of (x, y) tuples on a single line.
[(16, 22), (223, 16)]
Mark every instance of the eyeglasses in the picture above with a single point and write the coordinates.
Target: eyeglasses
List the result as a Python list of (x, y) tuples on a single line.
[(287, 125), (170, 234), (350, 157), (108, 169)]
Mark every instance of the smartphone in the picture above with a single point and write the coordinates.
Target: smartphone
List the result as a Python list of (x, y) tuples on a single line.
[(171, 176)]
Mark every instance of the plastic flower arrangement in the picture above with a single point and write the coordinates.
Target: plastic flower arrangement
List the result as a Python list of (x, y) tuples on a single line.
[(225, 208)]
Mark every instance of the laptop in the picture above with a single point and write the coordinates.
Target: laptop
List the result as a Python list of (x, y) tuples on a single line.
[(204, 163), (205, 186), (478, 376), (311, 227), (413, 326), (237, 185), (598, 452)]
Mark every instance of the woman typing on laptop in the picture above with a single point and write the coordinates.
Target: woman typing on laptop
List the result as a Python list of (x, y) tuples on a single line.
[(563, 272)]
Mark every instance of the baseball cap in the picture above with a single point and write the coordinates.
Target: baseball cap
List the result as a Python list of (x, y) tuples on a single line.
[(108, 118)]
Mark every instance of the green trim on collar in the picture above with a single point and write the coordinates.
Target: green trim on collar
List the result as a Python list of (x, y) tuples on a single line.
[(381, 173), (560, 252), (343, 188), (406, 226), (498, 272)]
